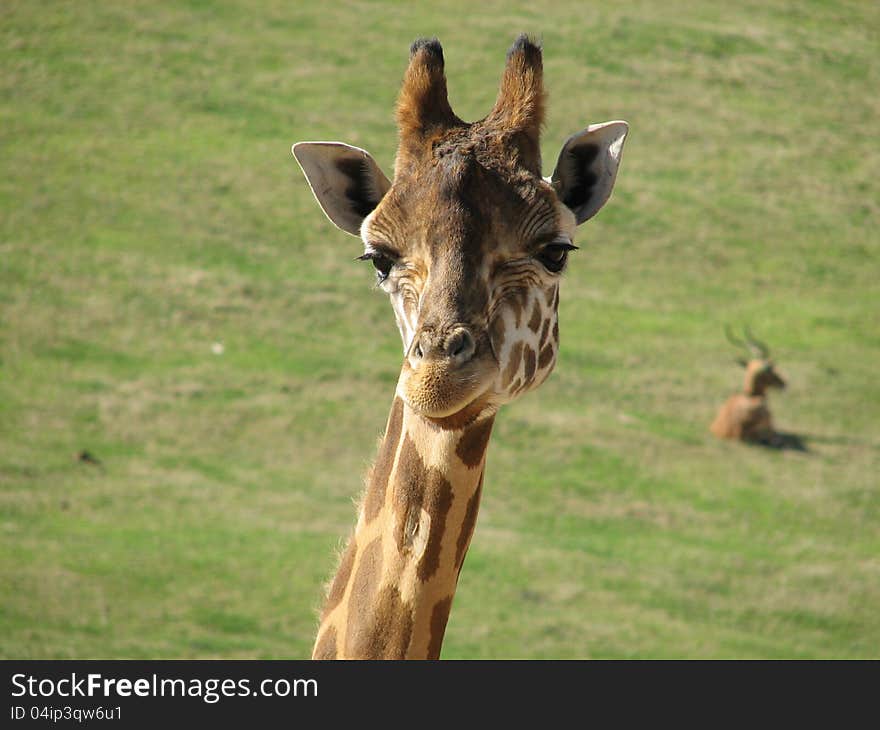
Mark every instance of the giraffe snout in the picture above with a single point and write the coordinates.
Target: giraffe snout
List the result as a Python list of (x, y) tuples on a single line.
[(453, 347)]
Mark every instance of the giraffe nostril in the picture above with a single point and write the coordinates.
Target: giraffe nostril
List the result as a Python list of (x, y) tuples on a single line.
[(460, 346), (456, 348)]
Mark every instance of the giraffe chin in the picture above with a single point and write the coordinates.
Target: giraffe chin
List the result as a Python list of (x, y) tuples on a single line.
[(446, 400)]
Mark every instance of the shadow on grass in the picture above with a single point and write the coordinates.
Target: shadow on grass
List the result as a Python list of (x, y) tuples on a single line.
[(783, 441)]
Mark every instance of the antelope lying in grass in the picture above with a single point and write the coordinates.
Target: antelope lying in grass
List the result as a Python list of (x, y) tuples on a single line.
[(745, 416)]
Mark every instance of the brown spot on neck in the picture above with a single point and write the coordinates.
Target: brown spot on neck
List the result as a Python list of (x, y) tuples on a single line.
[(381, 471), (410, 482), (437, 503), (467, 527), (439, 619), (389, 631), (474, 440), (417, 488), (340, 581), (362, 622)]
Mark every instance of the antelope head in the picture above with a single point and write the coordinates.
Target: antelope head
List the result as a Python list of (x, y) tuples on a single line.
[(760, 370)]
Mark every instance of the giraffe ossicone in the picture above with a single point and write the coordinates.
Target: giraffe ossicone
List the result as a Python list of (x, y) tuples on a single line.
[(469, 241)]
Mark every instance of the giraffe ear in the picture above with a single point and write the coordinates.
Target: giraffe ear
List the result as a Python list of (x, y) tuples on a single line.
[(587, 168), (346, 181)]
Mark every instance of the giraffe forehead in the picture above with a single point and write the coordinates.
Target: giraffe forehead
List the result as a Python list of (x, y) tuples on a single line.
[(457, 205)]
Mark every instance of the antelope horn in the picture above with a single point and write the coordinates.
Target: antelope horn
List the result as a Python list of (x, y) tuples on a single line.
[(736, 342), (756, 346)]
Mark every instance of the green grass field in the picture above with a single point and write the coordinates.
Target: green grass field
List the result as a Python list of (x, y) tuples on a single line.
[(150, 209)]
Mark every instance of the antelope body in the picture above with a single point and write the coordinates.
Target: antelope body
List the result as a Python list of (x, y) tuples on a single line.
[(745, 416)]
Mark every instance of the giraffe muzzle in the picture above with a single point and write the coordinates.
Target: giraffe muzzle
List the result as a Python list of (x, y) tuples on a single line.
[(452, 348), (444, 371)]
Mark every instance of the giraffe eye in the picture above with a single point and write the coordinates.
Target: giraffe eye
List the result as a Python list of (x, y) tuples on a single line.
[(381, 263), (554, 255)]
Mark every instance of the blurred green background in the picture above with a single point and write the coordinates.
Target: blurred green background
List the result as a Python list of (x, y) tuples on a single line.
[(174, 303)]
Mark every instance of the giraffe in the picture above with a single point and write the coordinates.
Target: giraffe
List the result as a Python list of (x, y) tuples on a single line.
[(469, 242)]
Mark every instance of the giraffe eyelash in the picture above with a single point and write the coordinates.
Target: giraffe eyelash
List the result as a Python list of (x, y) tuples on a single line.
[(554, 255), (382, 261)]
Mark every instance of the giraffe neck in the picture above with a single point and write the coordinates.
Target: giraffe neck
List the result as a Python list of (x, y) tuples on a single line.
[(392, 593)]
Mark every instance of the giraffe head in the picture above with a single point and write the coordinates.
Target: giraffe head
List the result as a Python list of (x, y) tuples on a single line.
[(469, 240)]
